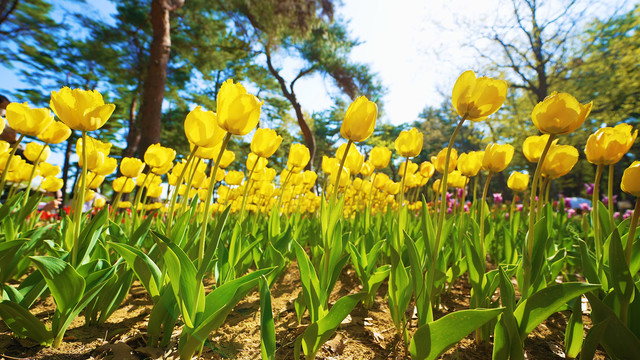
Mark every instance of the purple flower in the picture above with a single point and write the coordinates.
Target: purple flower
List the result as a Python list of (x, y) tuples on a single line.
[(571, 213), (460, 192), (567, 203), (519, 207), (497, 198), (605, 199), (585, 207), (506, 216), (466, 207), (589, 188), (616, 214), (449, 196), (627, 214)]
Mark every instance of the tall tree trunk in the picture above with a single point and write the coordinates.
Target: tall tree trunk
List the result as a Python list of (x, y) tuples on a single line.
[(154, 84), (66, 166), (133, 137)]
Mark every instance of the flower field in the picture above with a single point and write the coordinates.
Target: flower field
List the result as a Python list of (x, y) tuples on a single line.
[(189, 258)]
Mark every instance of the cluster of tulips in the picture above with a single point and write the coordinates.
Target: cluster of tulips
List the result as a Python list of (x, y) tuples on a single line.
[(243, 228)]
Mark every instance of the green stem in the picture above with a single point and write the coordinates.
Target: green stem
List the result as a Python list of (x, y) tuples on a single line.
[(334, 195), (184, 201), (404, 176), (610, 195), (137, 201), (594, 213), (246, 189), (31, 176), (532, 214), (3, 177), (207, 201), (116, 201), (484, 198), (373, 188), (79, 204), (174, 195), (632, 232)]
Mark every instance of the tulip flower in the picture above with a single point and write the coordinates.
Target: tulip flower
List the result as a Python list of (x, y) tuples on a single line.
[(469, 164), (409, 143), (533, 146), (518, 182), (380, 157), (497, 157), (158, 156), (82, 110), (238, 111), (47, 169), (201, 128), (55, 133), (360, 120), (298, 157), (559, 114), (560, 160), (265, 142), (427, 169), (631, 179), (35, 152), (440, 159), (234, 178), (608, 145), (476, 98), (51, 184), (108, 166), (131, 167), (26, 120), (123, 185)]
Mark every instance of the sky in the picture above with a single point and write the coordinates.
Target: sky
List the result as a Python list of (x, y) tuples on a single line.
[(416, 47)]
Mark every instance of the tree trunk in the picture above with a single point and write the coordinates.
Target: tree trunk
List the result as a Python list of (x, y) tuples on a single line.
[(133, 137), (65, 167), (291, 96), (154, 84)]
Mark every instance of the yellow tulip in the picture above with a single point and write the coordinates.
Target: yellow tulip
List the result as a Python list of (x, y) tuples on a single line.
[(227, 158), (409, 143), (533, 146), (124, 204), (427, 169), (265, 142), (256, 161), (497, 157), (608, 145), (329, 164), (15, 163), (51, 184), (392, 188), (437, 186), (158, 156), (47, 169), (99, 203), (411, 168), (298, 157), (82, 110), (234, 177), (55, 133), (201, 128), (471, 163), (477, 98), (631, 179), (456, 179), (518, 181), (154, 191), (26, 120), (4, 147), (559, 161), (380, 157), (309, 178), (367, 168), (439, 160), (131, 167), (559, 114), (34, 151), (108, 166), (360, 120), (95, 180), (238, 111), (2, 124), (95, 159), (123, 185)]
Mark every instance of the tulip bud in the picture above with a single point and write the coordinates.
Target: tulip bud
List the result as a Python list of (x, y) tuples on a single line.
[(360, 120), (559, 114), (477, 98)]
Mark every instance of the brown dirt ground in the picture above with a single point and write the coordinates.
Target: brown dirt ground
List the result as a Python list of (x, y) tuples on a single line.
[(366, 334)]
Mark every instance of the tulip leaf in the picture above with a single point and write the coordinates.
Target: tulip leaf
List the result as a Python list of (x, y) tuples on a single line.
[(434, 338), (267, 325), (620, 275), (618, 340), (145, 269), (310, 283), (320, 331), (213, 245), (540, 305), (23, 323), (186, 288), (64, 282), (574, 332)]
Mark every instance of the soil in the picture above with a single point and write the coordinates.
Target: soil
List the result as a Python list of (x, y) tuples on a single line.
[(365, 334)]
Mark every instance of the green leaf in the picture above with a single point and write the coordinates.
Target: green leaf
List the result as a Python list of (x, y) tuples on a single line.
[(320, 331), (23, 323), (65, 284), (310, 284), (267, 325), (621, 276), (617, 340), (539, 306), (436, 337), (145, 269), (574, 332), (213, 245), (186, 287)]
